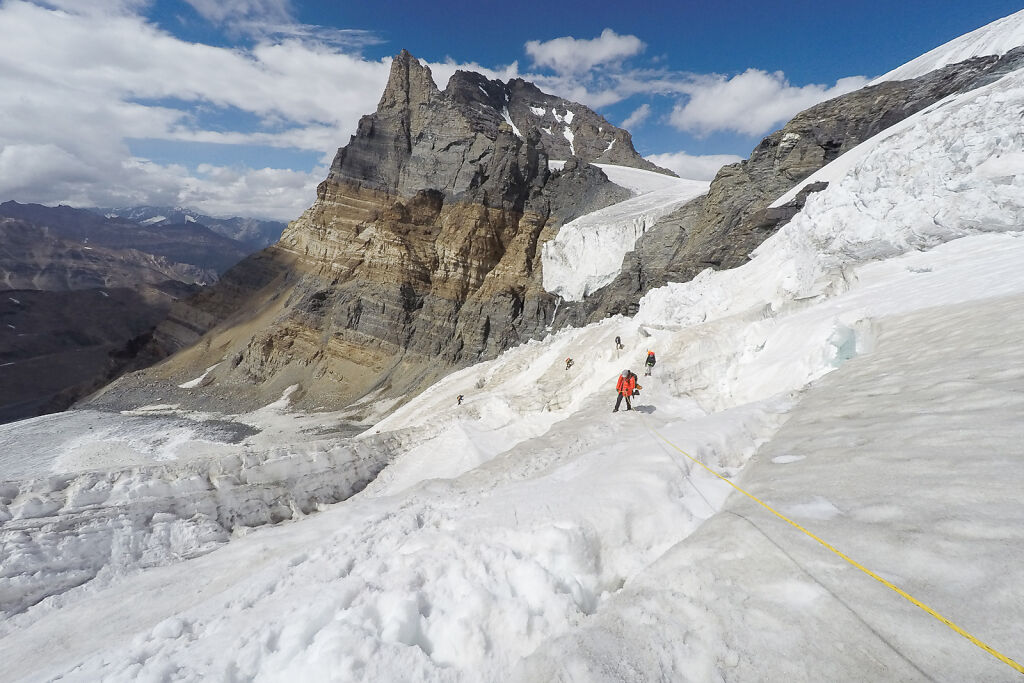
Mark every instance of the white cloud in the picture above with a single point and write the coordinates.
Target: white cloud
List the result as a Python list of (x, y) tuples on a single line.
[(752, 102), (77, 98), (568, 55), (443, 71), (592, 72), (269, 20), (346, 39), (694, 167), (97, 7), (220, 191), (235, 11), (638, 116), (48, 174)]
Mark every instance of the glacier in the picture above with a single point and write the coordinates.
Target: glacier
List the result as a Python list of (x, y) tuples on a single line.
[(863, 374)]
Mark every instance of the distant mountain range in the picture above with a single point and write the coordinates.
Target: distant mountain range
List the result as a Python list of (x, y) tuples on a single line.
[(85, 288), (253, 233), (185, 242)]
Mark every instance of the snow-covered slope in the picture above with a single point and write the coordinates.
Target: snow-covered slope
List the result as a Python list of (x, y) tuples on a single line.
[(862, 374), (932, 123), (996, 38), (587, 252)]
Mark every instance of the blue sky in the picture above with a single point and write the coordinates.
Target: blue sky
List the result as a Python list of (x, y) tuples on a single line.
[(237, 106), (811, 42)]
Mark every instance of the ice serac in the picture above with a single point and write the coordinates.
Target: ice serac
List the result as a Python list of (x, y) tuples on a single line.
[(720, 229), (420, 253)]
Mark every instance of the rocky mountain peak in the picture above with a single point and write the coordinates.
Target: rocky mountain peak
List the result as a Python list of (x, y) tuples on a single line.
[(409, 84), (421, 137)]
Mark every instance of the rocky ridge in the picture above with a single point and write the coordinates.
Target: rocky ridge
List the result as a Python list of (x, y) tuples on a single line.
[(184, 242), (722, 228)]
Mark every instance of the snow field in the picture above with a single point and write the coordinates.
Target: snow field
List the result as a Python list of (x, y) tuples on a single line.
[(109, 495), (840, 326), (64, 530), (471, 573), (908, 459), (950, 171)]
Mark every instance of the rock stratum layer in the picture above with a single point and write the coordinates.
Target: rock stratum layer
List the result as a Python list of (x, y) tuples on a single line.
[(420, 253)]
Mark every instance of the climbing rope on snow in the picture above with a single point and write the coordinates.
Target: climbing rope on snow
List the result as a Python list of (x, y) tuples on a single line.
[(984, 646)]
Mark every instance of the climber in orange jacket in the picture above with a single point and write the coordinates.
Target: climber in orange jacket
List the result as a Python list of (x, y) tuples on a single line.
[(625, 386)]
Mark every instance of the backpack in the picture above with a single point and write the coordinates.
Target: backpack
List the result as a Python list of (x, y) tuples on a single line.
[(636, 385), (651, 360)]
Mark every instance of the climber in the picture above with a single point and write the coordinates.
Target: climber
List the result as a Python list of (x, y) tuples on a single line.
[(649, 363), (459, 399), (626, 386), (618, 344), (568, 363)]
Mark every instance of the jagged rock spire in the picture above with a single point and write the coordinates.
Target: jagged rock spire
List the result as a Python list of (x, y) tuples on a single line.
[(409, 83)]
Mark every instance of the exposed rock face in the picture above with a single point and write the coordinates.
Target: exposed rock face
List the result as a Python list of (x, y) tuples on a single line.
[(421, 137), (421, 252), (720, 229), (569, 129)]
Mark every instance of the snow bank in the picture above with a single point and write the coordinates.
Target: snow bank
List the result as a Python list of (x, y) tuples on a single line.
[(952, 170), (908, 459), (996, 38), (587, 252), (61, 531), (569, 525), (636, 180), (193, 383), (109, 494)]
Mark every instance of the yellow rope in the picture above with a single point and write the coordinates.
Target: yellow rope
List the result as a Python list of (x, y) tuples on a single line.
[(984, 646)]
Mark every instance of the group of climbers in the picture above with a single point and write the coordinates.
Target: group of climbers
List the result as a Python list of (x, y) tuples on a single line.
[(626, 385)]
